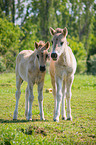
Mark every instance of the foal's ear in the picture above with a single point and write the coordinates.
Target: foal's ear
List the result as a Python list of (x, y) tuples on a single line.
[(36, 45), (47, 45), (52, 31), (65, 31)]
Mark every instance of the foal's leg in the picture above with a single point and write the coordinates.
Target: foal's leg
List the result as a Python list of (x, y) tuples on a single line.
[(26, 102), (17, 95), (30, 98), (63, 101), (54, 94), (68, 96), (40, 100), (55, 101), (58, 98)]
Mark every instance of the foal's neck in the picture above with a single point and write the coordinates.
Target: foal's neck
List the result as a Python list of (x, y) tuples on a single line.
[(64, 58)]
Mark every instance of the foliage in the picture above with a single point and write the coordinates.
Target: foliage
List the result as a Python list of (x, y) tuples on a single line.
[(93, 64), (36, 17), (92, 49), (2, 65), (44, 15), (9, 36), (81, 130), (9, 42), (80, 54), (29, 38)]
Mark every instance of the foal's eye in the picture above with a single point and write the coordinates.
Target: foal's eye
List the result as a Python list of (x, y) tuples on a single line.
[(37, 56), (46, 55), (61, 43)]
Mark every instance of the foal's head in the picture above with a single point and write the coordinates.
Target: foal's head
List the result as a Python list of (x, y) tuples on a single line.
[(42, 54), (58, 41)]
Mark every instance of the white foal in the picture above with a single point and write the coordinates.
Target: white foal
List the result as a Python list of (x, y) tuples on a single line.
[(31, 67), (62, 69)]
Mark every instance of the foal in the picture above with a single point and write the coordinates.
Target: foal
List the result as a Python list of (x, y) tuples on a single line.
[(62, 69), (31, 67)]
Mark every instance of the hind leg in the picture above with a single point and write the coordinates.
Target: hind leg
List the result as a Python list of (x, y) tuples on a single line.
[(26, 103), (54, 94), (17, 95), (63, 101)]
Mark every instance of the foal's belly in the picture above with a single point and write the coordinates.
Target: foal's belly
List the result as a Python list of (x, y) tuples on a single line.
[(22, 71), (63, 71)]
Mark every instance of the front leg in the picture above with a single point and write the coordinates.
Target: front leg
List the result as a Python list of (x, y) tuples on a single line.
[(58, 98), (63, 100), (17, 95), (40, 100), (26, 103), (30, 99), (68, 96)]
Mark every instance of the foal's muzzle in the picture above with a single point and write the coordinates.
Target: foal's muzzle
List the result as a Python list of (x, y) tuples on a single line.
[(42, 68), (54, 56)]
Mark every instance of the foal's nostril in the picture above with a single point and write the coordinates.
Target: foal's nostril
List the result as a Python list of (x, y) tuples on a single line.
[(42, 68), (54, 55)]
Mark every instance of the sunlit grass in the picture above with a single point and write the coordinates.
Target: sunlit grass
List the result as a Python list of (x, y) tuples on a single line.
[(81, 130)]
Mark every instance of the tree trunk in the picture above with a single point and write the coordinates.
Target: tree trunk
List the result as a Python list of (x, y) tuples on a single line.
[(13, 11), (7, 7)]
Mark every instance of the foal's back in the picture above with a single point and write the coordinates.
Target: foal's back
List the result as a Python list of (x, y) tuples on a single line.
[(22, 63), (23, 56)]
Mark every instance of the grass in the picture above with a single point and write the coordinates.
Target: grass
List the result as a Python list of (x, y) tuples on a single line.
[(81, 130)]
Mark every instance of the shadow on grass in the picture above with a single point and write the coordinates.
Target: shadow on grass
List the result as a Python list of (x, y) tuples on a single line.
[(21, 121)]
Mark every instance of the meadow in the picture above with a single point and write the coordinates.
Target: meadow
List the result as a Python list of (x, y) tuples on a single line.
[(81, 130)]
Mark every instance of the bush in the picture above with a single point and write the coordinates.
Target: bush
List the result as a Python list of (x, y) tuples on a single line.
[(9, 43), (9, 36), (30, 36), (13, 40), (2, 65), (80, 54), (91, 58), (93, 64), (10, 59)]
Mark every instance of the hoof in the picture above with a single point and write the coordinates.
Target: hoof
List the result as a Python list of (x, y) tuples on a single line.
[(14, 119), (63, 118), (29, 119), (42, 119), (69, 119), (55, 120)]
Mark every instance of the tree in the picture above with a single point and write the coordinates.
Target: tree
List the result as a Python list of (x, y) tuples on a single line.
[(91, 56), (8, 8), (36, 17), (44, 15), (29, 38), (9, 42)]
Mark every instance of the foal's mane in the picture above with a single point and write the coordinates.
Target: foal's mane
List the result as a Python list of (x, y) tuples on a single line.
[(41, 43), (59, 30)]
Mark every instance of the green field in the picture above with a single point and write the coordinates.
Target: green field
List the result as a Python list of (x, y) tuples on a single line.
[(81, 130)]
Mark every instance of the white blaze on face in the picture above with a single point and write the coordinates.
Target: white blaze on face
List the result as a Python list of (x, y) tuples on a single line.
[(60, 48)]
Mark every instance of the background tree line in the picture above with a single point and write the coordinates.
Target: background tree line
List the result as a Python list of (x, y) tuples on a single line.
[(22, 22)]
